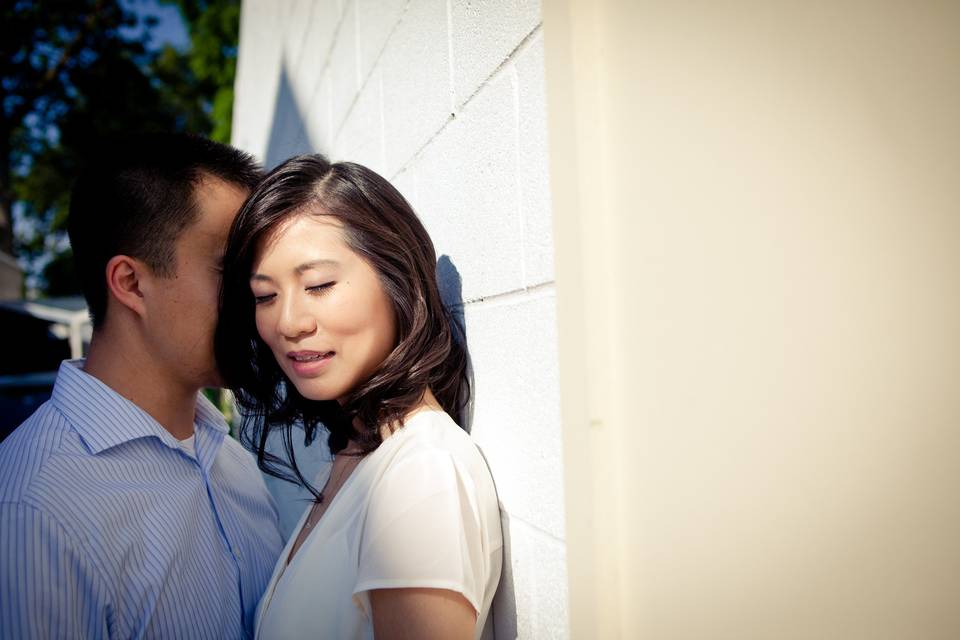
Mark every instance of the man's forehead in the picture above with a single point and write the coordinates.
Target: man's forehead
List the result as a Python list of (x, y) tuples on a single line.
[(211, 187), (217, 203)]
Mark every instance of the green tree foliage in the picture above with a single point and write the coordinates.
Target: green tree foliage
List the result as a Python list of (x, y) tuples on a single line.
[(71, 73), (214, 27)]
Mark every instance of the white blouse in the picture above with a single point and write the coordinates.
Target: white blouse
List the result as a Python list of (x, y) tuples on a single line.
[(420, 511)]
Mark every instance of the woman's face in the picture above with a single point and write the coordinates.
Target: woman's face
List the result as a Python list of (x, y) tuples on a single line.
[(320, 308)]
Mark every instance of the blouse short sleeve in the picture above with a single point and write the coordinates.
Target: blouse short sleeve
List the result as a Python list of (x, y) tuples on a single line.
[(423, 529)]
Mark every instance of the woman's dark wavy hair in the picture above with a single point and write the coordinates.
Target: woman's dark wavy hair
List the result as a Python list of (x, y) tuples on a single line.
[(380, 226)]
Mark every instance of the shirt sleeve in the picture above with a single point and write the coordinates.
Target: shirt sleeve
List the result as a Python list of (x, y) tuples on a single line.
[(423, 529), (47, 588)]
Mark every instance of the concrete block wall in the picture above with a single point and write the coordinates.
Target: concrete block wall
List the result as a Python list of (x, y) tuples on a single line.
[(446, 99)]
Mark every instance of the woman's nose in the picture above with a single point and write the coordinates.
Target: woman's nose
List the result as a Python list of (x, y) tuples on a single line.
[(294, 321)]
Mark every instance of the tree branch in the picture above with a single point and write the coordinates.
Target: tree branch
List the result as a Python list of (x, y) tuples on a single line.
[(31, 96)]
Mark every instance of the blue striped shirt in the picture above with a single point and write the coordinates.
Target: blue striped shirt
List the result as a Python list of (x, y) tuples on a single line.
[(109, 528)]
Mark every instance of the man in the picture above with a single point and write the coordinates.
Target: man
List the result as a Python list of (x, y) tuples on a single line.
[(125, 508)]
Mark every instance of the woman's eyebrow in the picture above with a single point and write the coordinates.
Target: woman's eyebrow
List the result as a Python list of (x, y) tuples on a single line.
[(313, 264), (306, 266)]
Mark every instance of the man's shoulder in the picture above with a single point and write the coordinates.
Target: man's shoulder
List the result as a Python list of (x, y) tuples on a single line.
[(237, 454), (27, 451), (237, 473), (237, 464)]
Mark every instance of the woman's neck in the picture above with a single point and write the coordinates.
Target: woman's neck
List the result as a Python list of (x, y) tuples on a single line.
[(427, 402)]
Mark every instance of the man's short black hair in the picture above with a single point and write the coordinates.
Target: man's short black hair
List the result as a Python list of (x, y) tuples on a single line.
[(137, 195)]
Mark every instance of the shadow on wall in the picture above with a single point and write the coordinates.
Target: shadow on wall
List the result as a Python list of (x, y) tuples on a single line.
[(288, 132), (451, 293), (504, 609)]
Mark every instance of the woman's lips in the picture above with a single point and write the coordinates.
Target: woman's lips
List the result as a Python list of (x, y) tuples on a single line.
[(306, 363)]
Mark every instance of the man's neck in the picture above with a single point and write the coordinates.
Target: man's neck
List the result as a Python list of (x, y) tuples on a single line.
[(125, 367)]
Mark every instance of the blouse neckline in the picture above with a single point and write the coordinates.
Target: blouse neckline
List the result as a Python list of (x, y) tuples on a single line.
[(284, 568)]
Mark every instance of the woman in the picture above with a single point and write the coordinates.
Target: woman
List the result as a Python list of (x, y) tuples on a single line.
[(331, 314)]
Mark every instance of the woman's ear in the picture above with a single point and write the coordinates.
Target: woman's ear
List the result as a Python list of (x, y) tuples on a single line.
[(124, 276)]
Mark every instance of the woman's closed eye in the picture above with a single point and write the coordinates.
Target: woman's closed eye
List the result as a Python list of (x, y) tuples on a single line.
[(321, 288)]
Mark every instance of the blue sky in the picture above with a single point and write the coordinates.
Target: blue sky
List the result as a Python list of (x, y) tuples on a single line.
[(170, 28)]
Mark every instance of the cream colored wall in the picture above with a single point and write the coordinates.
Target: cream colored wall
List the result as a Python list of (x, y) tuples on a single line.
[(757, 226)]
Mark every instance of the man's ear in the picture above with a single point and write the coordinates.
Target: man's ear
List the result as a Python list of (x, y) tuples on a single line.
[(124, 281)]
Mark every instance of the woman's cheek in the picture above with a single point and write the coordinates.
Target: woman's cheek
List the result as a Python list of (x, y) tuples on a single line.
[(261, 321)]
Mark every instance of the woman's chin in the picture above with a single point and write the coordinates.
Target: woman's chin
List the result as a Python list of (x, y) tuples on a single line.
[(311, 392)]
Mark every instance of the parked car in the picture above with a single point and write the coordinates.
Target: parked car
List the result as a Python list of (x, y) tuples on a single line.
[(35, 336), (20, 396)]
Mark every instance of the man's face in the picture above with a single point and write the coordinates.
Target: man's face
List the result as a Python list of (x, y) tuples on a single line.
[(184, 316)]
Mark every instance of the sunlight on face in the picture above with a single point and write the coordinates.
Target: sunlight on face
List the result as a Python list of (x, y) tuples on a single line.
[(320, 308)]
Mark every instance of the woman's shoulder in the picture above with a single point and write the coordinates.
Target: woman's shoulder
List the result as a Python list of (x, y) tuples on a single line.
[(432, 430), (432, 437)]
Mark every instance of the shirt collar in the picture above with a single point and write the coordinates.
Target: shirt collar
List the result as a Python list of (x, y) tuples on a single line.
[(103, 418)]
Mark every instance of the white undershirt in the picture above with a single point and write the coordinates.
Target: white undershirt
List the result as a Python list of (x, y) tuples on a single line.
[(187, 446)]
